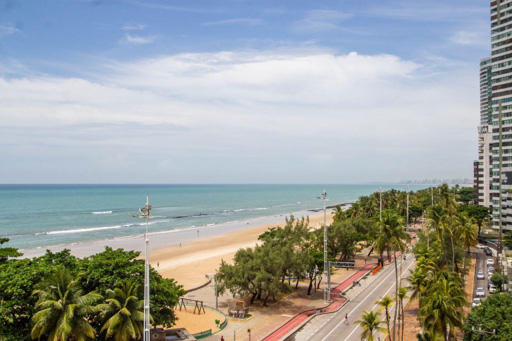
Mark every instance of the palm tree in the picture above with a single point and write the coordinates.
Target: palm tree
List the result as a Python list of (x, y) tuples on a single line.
[(417, 283), (435, 216), (386, 302), (371, 323), (447, 199), (450, 224), (63, 309), (468, 234), (402, 294), (338, 214), (393, 230), (123, 313), (441, 309)]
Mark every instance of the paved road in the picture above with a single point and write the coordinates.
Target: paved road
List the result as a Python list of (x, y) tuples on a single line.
[(332, 327), (481, 265)]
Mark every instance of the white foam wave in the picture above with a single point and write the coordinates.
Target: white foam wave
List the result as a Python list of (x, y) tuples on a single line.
[(89, 229), (102, 212)]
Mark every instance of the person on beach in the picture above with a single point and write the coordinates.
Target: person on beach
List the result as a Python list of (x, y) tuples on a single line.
[(345, 321), (222, 338), (198, 233), (157, 264)]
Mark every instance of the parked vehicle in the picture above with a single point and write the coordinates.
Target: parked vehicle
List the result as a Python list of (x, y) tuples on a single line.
[(480, 275), (480, 292), (492, 289), (489, 274), (476, 302), (490, 261), (488, 251)]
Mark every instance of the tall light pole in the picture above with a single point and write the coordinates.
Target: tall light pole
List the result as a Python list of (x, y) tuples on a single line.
[(327, 293), (432, 194), (380, 199), (145, 213), (216, 293), (407, 219), (500, 130)]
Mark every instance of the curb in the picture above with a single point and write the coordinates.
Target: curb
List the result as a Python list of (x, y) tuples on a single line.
[(308, 318), (296, 329), (201, 286)]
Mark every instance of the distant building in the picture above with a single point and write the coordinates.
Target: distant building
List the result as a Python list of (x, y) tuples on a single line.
[(483, 175), (483, 167)]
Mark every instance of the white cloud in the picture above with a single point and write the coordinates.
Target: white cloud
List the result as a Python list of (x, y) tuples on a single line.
[(244, 117), (6, 30), (137, 40), (245, 21), (475, 38), (133, 27), (320, 20)]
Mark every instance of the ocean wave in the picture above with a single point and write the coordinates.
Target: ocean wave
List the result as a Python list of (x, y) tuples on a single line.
[(100, 228), (102, 212), (89, 229)]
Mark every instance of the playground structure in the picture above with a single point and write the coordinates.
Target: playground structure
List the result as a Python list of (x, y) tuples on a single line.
[(198, 305), (238, 308)]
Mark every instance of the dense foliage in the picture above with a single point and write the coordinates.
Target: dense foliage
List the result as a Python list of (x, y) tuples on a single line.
[(292, 252), (495, 313), (20, 280)]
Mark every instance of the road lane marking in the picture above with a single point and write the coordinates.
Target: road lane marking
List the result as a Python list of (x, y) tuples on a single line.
[(353, 331), (357, 306)]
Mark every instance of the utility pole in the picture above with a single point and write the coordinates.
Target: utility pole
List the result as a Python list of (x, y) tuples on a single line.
[(380, 206), (327, 294), (432, 194), (145, 213), (407, 219), (216, 293), (500, 121), (483, 332)]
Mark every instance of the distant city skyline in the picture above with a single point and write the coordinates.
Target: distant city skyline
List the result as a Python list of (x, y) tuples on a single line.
[(129, 91)]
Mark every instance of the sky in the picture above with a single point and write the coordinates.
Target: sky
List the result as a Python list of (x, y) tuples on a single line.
[(263, 91)]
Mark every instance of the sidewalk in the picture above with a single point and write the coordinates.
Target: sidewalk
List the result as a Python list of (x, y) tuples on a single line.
[(337, 302)]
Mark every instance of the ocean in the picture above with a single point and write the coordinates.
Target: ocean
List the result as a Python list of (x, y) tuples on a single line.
[(39, 216)]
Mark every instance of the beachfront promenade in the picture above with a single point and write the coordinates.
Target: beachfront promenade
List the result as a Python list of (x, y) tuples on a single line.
[(301, 317), (331, 327)]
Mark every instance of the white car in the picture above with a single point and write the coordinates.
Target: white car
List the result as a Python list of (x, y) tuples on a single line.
[(492, 289), (476, 302), (480, 292), (490, 261), (480, 275)]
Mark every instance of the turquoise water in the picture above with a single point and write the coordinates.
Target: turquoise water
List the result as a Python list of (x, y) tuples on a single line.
[(45, 215)]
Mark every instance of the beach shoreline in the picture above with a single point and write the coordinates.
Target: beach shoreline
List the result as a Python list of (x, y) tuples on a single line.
[(165, 239)]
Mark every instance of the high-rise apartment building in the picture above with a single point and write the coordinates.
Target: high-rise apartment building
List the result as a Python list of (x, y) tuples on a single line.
[(500, 111), (483, 167)]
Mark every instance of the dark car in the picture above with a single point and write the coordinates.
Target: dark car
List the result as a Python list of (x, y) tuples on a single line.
[(488, 251)]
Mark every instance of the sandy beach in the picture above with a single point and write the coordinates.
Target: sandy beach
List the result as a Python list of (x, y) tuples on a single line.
[(190, 262)]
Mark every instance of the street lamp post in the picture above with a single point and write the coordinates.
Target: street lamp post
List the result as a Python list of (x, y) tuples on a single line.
[(380, 203), (327, 293), (145, 213), (216, 293), (407, 219)]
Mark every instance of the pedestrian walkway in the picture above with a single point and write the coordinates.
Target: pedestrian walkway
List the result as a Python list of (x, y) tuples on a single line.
[(337, 302)]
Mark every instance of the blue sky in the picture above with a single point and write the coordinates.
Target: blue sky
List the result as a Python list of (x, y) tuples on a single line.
[(239, 91)]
